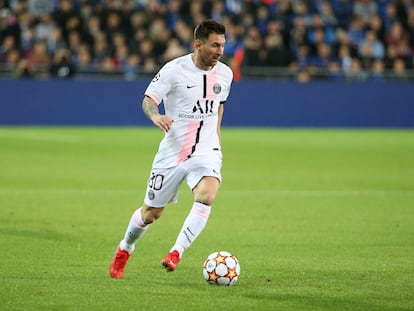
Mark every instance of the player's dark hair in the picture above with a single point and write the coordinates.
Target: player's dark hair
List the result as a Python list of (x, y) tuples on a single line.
[(207, 27)]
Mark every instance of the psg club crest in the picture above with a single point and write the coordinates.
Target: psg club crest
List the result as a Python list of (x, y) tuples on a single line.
[(217, 88)]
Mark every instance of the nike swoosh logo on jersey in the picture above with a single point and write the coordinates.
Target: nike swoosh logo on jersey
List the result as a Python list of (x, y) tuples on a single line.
[(191, 86)]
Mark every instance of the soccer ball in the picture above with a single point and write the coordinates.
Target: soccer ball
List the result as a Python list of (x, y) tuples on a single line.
[(221, 268)]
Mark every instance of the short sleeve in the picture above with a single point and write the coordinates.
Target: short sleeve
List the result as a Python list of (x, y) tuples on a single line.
[(227, 87), (161, 84)]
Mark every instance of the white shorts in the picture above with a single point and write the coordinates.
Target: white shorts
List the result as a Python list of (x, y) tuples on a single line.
[(164, 184)]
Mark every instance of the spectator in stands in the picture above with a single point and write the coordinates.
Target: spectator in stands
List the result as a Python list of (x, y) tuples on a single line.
[(217, 10), (195, 14), (253, 44), (62, 15), (38, 58), (318, 32), (8, 45), (120, 56), (356, 73), (12, 60), (356, 31), (399, 70), (284, 12), (160, 35), (323, 57), (327, 14), (101, 49), (398, 38), (131, 67), (370, 47), (174, 49), (112, 26), (74, 42), (92, 27), (301, 9), (345, 57), (334, 71), (27, 32), (377, 26), (381, 8), (297, 35), (378, 71), (234, 39), (277, 55), (302, 58), (149, 66), (74, 24), (391, 15), (55, 40), (62, 67), (390, 56), (183, 33), (410, 25), (126, 10), (365, 10), (107, 65), (262, 19), (40, 8), (44, 27), (4, 25), (23, 70), (303, 76), (233, 7), (83, 61), (343, 10)]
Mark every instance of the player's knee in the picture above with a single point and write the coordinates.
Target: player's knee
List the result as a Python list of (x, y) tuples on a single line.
[(205, 192), (150, 217), (206, 198), (151, 214)]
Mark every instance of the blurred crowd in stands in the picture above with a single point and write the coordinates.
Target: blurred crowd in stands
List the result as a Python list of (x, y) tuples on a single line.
[(339, 39)]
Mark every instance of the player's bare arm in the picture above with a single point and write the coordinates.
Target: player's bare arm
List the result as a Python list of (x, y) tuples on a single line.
[(150, 108)]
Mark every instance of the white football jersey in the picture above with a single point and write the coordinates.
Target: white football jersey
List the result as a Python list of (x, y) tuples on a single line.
[(191, 97)]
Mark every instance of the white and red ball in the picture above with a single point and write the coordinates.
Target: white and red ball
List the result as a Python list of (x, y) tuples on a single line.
[(221, 268)]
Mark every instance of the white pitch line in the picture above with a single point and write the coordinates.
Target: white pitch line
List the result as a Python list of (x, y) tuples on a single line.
[(345, 192), (66, 191)]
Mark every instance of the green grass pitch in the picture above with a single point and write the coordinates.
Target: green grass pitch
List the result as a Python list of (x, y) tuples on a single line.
[(319, 220)]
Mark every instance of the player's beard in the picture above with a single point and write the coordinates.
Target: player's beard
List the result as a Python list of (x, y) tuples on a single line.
[(209, 61)]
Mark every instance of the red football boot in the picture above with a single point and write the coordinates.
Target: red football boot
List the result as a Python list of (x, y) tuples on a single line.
[(171, 261), (119, 261)]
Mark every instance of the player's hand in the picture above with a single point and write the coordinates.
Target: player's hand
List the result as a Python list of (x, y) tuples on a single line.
[(163, 122)]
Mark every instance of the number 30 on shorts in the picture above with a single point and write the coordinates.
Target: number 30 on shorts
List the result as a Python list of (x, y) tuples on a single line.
[(156, 181)]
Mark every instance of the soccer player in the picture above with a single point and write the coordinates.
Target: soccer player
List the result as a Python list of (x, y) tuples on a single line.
[(193, 89)]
